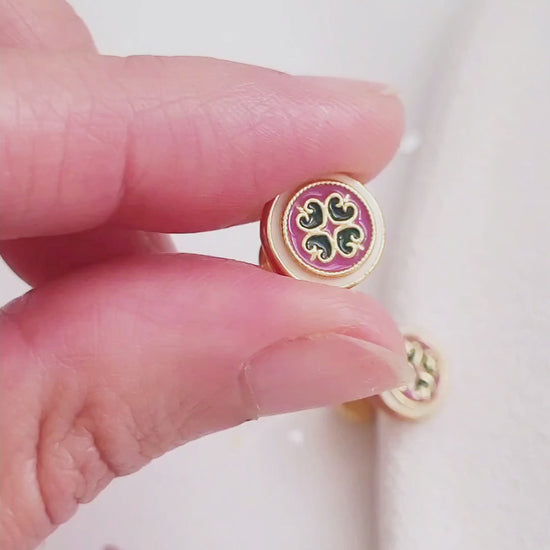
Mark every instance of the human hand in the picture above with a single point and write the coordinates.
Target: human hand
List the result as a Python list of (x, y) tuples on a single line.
[(124, 349)]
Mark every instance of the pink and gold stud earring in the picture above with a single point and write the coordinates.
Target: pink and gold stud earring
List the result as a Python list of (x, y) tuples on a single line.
[(328, 231), (332, 231), (415, 401)]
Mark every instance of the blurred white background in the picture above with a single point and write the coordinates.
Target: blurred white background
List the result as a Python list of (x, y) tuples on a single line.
[(298, 481)]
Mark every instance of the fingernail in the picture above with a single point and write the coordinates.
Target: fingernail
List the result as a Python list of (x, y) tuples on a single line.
[(320, 370), (347, 84), (388, 90)]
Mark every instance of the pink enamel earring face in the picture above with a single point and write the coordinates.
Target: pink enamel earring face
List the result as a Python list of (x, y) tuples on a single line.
[(330, 231)]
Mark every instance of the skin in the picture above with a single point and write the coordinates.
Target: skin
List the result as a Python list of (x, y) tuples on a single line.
[(124, 349)]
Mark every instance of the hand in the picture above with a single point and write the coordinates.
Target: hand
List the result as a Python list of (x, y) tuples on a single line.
[(124, 349)]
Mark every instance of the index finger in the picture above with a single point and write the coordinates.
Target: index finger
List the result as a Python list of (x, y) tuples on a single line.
[(173, 144), (45, 25)]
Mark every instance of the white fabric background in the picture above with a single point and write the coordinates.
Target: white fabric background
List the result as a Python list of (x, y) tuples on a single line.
[(466, 204), (474, 268)]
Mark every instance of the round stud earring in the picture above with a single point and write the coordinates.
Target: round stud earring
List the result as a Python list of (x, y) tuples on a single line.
[(328, 231), (416, 401)]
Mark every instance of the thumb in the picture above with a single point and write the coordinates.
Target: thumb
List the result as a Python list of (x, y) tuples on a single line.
[(109, 367)]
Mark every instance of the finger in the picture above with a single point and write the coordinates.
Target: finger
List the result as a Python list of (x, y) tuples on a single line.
[(112, 366), (39, 259), (173, 144), (50, 25)]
